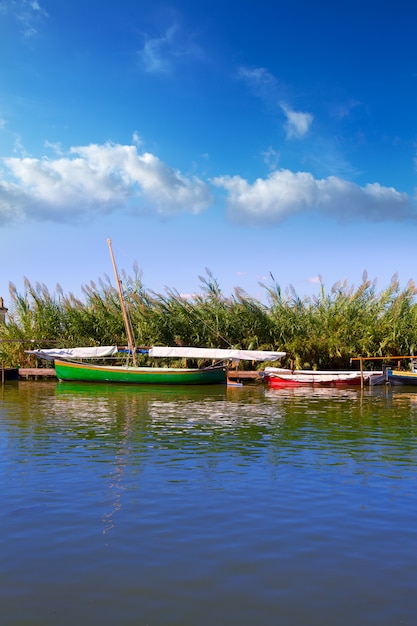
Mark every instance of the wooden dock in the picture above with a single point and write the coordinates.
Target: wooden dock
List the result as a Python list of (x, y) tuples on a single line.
[(242, 375), (26, 373)]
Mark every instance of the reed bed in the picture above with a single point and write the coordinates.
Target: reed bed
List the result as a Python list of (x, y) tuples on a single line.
[(321, 331)]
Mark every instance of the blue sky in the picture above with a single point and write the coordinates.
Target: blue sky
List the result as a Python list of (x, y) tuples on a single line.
[(244, 137)]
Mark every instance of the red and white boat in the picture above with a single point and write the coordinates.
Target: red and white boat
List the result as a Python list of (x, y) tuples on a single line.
[(277, 377)]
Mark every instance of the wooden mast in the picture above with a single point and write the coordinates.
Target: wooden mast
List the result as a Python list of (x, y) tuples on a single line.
[(126, 318)]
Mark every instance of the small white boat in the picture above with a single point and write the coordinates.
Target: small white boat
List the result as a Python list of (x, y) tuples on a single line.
[(277, 377)]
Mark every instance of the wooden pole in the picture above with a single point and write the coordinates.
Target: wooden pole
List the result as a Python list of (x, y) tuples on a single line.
[(126, 319)]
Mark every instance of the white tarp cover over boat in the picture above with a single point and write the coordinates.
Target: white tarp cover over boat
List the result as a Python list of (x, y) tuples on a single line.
[(74, 353), (216, 353), (317, 376), (280, 370), (160, 351)]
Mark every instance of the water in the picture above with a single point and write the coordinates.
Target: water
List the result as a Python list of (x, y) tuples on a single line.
[(207, 506)]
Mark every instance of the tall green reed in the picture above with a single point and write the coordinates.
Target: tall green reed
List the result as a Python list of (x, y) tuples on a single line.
[(320, 331)]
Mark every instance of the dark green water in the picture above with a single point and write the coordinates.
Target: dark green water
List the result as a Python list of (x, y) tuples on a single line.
[(207, 506)]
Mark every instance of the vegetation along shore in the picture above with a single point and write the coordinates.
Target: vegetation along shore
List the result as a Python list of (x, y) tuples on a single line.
[(323, 331)]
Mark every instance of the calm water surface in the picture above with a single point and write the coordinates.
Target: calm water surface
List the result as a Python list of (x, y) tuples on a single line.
[(207, 506)]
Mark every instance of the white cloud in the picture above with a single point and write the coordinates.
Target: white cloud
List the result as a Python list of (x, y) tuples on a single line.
[(297, 124), (30, 33), (256, 77), (136, 138), (264, 85), (261, 82), (285, 193), (96, 179), (36, 7), (159, 55), (343, 110), (271, 158), (155, 55), (28, 13), (18, 147), (55, 146)]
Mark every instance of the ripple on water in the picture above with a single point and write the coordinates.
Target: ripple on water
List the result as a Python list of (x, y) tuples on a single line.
[(203, 506)]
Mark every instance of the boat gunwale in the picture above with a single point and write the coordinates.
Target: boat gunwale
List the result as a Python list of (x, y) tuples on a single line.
[(401, 377), (139, 369)]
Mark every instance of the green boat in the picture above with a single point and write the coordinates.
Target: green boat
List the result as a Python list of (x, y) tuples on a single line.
[(70, 362), (72, 371)]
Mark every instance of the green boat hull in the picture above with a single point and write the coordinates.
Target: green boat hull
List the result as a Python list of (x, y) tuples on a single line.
[(138, 375)]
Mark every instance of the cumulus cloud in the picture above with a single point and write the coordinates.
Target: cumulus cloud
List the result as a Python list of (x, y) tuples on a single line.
[(284, 193), (297, 123), (96, 179)]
